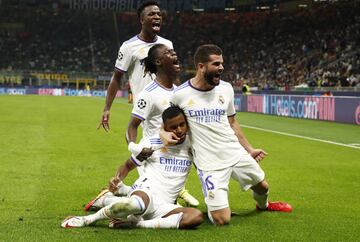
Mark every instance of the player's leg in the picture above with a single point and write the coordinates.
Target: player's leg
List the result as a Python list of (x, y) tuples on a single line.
[(219, 216), (162, 214), (137, 203), (123, 206), (168, 216), (260, 194), (215, 186), (104, 198), (250, 175), (191, 217)]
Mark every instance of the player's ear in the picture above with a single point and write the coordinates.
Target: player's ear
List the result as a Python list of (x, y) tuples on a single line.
[(141, 18), (200, 66), (157, 62)]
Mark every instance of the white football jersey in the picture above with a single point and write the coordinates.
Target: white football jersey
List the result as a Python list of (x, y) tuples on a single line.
[(149, 106), (214, 143), (130, 60), (167, 169)]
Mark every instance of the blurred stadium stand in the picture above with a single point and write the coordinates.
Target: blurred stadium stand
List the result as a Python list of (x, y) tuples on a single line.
[(270, 45)]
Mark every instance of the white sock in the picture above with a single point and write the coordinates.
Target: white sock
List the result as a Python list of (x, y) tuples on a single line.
[(99, 215), (170, 222), (110, 199), (261, 199), (125, 206), (123, 189)]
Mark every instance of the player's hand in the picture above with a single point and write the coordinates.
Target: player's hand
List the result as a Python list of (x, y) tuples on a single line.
[(113, 184), (168, 138), (105, 121), (144, 154), (258, 154)]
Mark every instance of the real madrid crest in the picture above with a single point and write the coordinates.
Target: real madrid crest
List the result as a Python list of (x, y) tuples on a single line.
[(221, 100), (211, 195)]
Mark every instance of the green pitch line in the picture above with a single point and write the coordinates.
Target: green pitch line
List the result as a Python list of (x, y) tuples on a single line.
[(302, 137)]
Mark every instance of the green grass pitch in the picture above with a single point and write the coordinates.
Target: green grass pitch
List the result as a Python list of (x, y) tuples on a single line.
[(53, 160)]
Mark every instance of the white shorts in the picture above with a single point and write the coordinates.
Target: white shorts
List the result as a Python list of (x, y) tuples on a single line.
[(158, 207), (215, 184)]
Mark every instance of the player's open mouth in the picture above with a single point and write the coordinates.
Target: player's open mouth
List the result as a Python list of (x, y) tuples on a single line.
[(176, 63), (156, 26), (217, 76)]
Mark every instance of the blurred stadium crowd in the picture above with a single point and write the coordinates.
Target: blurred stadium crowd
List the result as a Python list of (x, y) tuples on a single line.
[(319, 46)]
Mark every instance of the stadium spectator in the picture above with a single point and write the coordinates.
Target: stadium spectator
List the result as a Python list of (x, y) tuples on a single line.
[(265, 49)]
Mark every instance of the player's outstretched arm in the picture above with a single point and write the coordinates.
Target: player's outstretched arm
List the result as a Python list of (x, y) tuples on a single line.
[(257, 154), (114, 86)]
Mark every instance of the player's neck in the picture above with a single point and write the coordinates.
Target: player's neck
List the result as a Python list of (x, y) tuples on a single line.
[(165, 80), (200, 83), (147, 36)]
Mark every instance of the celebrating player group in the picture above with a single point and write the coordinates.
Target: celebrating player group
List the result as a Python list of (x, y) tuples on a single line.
[(193, 123)]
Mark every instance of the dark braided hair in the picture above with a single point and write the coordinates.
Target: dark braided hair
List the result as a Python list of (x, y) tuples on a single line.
[(149, 61)]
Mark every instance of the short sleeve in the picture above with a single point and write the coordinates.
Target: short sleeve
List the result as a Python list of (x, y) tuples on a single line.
[(124, 58), (142, 106)]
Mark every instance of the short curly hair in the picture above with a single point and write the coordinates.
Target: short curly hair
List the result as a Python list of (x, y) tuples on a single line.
[(144, 4)]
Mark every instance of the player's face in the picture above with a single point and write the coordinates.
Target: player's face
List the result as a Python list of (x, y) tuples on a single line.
[(178, 126), (169, 60), (213, 70), (151, 19)]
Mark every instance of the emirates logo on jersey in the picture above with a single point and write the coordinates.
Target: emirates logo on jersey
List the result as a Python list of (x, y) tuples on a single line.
[(141, 103)]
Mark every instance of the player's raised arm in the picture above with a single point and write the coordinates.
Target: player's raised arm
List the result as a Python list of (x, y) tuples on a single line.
[(257, 154), (114, 86)]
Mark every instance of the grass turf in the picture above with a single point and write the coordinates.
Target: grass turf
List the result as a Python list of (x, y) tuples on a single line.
[(53, 160)]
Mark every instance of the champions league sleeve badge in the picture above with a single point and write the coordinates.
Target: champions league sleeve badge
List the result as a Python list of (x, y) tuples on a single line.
[(120, 56), (141, 103)]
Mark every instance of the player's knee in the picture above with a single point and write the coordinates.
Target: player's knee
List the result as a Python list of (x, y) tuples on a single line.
[(131, 204), (197, 217), (191, 218), (221, 219), (121, 205)]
